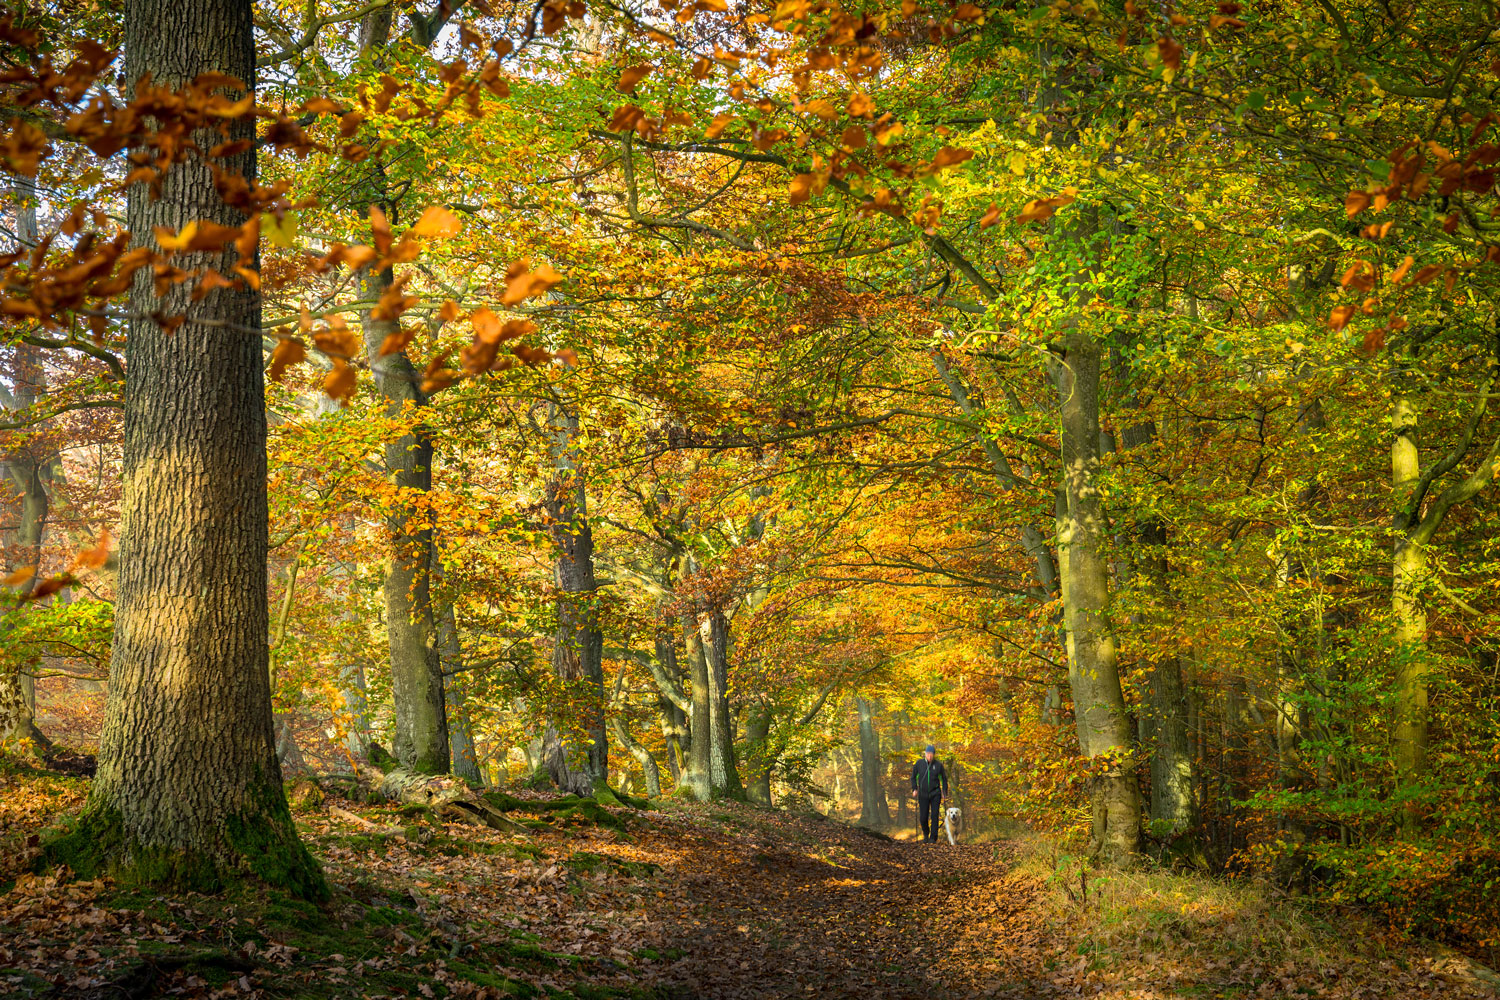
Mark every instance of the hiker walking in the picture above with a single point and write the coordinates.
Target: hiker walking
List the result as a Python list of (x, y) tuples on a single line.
[(929, 783)]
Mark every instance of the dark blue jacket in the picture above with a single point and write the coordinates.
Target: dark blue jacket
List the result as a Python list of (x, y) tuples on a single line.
[(927, 778)]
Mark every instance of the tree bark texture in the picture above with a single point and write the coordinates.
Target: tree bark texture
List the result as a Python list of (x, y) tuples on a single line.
[(188, 790)]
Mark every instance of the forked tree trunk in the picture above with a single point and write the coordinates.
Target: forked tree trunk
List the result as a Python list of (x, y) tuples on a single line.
[(188, 790)]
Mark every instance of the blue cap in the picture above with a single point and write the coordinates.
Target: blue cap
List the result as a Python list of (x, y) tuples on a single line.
[(930, 749)]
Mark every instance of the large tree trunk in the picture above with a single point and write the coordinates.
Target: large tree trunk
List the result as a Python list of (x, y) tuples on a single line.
[(723, 776), (578, 644), (674, 721), (1093, 671), (874, 811), (464, 753), (188, 790)]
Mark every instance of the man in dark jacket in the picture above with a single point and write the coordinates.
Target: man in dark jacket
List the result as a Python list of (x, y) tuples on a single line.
[(929, 783)]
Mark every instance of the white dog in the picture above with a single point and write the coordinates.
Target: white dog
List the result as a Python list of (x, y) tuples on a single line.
[(953, 823)]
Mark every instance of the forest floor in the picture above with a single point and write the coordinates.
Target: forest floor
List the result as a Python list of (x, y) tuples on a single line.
[(721, 901)]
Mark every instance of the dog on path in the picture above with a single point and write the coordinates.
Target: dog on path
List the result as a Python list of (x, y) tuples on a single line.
[(953, 824)]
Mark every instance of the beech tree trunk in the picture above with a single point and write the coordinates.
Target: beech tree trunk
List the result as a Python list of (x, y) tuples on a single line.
[(874, 811), (188, 791), (421, 738), (578, 644), (1408, 615), (31, 473), (723, 776), (695, 780), (674, 723), (758, 753), (1104, 728)]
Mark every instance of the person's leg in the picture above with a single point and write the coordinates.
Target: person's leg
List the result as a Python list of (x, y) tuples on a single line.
[(929, 818), (922, 815)]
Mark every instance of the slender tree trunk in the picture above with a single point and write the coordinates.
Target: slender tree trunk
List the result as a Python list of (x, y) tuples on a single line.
[(723, 776), (1408, 616), (874, 812), (674, 729), (695, 780), (421, 738), (578, 645), (188, 790), (902, 819), (649, 767), (32, 474), (465, 753), (1093, 672)]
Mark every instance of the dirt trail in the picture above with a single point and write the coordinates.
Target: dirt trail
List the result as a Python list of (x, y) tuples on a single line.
[(823, 910)]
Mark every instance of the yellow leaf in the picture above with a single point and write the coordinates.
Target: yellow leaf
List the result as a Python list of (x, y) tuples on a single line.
[(173, 242), (280, 232)]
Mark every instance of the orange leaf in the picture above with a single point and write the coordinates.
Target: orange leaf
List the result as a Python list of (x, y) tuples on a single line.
[(990, 217), (287, 353), (382, 230), (20, 576), (632, 77), (339, 384), (718, 125), (396, 341), (1400, 272), (950, 156), (1356, 202), (1170, 50), (1339, 318), (437, 223), (93, 558)]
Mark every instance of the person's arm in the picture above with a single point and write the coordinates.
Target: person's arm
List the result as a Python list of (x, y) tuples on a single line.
[(914, 778)]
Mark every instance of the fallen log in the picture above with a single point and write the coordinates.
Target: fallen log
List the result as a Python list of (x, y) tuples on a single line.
[(449, 798), (446, 797)]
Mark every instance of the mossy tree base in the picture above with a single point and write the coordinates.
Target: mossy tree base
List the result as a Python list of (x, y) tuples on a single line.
[(263, 849)]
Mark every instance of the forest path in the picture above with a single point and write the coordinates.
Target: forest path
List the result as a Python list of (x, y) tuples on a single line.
[(818, 909)]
